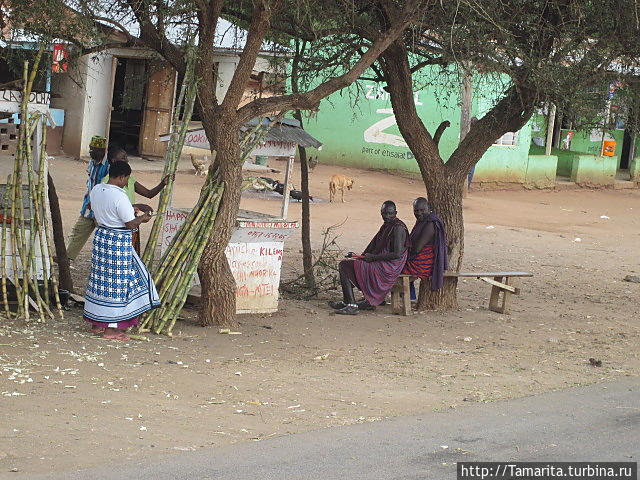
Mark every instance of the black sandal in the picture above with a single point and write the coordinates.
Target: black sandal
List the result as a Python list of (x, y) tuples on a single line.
[(348, 310), (337, 305)]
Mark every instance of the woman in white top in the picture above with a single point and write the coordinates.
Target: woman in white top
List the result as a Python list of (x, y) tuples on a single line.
[(120, 287)]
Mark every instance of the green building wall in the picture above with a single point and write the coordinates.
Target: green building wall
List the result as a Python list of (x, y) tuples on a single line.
[(583, 141), (363, 133)]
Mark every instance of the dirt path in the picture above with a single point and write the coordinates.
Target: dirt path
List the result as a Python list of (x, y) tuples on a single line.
[(69, 399)]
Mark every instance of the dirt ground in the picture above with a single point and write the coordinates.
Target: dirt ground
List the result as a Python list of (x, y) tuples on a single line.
[(72, 400)]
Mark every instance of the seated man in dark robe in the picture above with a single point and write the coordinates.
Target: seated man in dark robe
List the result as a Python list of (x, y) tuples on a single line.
[(428, 251), (376, 270)]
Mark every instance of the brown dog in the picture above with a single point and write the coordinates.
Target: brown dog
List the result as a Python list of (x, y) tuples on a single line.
[(339, 182)]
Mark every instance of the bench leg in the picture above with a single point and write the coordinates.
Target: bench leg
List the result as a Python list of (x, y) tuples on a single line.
[(406, 296), (401, 297), (396, 301), (496, 303)]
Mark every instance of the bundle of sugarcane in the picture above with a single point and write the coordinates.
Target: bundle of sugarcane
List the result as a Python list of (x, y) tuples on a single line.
[(179, 264), (179, 126), (26, 228)]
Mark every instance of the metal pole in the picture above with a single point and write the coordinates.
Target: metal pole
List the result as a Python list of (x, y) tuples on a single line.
[(551, 124)]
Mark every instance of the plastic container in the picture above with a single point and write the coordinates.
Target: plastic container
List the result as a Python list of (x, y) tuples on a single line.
[(608, 148)]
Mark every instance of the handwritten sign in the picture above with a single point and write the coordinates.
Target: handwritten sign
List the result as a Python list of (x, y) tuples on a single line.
[(270, 148), (10, 101), (256, 270), (263, 231), (173, 220), (255, 258)]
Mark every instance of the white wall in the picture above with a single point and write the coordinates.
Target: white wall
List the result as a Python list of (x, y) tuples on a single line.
[(86, 91), (226, 68), (70, 87), (99, 93)]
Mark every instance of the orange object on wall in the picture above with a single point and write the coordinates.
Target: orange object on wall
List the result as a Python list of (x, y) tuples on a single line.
[(608, 148)]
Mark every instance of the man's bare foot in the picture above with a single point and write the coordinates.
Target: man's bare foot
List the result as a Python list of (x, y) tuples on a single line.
[(113, 334)]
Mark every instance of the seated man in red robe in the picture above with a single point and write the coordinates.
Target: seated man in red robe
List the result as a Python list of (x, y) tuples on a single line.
[(377, 269), (428, 252)]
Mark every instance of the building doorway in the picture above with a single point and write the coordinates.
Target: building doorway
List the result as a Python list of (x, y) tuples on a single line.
[(127, 103), (627, 151)]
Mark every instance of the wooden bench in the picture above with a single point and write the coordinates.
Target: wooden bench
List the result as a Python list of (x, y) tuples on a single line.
[(502, 287)]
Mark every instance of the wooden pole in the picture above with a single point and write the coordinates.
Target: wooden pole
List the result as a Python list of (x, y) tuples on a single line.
[(287, 181), (551, 124), (466, 94), (64, 267)]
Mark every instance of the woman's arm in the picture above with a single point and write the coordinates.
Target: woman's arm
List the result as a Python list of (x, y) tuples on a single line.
[(135, 223)]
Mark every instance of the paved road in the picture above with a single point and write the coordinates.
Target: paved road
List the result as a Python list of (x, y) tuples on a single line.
[(595, 423)]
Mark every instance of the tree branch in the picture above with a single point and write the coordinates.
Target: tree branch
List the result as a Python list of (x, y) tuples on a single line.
[(311, 99), (431, 61), (510, 114), (395, 64), (154, 38), (440, 130), (256, 33), (117, 24)]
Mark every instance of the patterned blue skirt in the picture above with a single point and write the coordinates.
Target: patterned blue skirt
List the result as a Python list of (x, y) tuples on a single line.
[(120, 287)]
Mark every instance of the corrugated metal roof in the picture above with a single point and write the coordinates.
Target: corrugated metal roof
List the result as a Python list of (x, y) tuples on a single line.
[(286, 130)]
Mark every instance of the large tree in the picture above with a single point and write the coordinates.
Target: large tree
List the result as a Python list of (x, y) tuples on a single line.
[(532, 52), (158, 24)]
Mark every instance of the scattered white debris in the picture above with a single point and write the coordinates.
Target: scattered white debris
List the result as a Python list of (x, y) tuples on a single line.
[(490, 227), (577, 239), (604, 217)]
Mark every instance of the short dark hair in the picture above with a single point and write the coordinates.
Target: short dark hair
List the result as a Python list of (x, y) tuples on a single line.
[(119, 169), (389, 203), (423, 201), (113, 151)]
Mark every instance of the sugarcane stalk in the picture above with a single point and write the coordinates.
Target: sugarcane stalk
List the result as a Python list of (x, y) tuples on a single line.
[(183, 248), (171, 257), (34, 221), (188, 91), (178, 278), (24, 251), (183, 289), (173, 274), (45, 234), (179, 290), (3, 252), (17, 216), (49, 250)]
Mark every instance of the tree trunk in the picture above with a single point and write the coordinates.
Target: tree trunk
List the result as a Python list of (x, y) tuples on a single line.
[(64, 270), (218, 287), (445, 194), (445, 181), (307, 252)]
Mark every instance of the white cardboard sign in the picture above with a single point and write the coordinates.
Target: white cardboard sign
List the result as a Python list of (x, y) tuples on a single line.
[(254, 255)]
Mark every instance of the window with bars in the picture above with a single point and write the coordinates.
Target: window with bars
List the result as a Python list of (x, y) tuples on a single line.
[(509, 139)]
